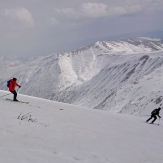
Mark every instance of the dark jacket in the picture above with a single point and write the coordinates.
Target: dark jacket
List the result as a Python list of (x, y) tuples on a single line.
[(156, 112)]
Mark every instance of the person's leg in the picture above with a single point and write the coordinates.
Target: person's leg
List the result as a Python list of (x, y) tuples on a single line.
[(154, 118), (12, 93), (15, 95), (149, 118)]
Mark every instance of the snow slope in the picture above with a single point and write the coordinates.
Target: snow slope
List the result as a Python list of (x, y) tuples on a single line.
[(65, 133), (107, 75)]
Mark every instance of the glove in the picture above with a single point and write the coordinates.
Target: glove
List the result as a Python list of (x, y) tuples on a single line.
[(19, 86)]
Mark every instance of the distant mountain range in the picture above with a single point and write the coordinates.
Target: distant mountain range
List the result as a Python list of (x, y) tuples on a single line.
[(149, 34), (123, 76)]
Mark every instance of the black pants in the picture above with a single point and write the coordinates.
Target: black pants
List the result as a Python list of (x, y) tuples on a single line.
[(152, 116), (15, 94)]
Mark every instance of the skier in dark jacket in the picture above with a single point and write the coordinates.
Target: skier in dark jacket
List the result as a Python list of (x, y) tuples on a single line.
[(12, 86), (154, 115)]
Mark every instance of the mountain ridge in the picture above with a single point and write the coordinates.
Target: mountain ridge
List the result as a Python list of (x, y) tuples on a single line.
[(93, 75)]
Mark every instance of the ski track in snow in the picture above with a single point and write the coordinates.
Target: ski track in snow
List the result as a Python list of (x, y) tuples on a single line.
[(72, 134)]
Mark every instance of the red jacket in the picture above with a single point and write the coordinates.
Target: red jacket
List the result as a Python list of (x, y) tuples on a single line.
[(12, 85)]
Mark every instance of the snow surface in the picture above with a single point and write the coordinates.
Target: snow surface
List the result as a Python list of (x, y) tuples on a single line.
[(64, 133)]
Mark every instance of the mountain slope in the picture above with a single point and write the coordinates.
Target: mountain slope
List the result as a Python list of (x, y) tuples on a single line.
[(100, 76), (67, 133)]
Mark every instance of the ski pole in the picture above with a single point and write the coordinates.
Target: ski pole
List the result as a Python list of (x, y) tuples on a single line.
[(5, 95), (18, 89), (159, 122)]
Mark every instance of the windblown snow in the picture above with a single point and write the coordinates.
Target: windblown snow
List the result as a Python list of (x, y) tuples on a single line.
[(124, 76), (45, 131)]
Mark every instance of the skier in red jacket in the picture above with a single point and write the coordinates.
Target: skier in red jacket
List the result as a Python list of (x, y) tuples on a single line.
[(12, 86)]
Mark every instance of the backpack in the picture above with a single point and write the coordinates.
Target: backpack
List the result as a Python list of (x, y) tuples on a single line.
[(154, 112), (8, 83)]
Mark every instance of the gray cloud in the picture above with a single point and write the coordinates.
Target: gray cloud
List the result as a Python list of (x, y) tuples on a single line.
[(96, 10), (38, 27), (21, 16)]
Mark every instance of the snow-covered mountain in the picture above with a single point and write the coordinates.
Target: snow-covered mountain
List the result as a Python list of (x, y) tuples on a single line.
[(46, 131), (124, 76)]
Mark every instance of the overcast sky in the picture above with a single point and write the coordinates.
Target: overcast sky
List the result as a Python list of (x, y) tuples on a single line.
[(42, 27)]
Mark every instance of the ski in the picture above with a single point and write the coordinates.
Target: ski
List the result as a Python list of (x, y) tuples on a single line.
[(153, 124), (17, 101)]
